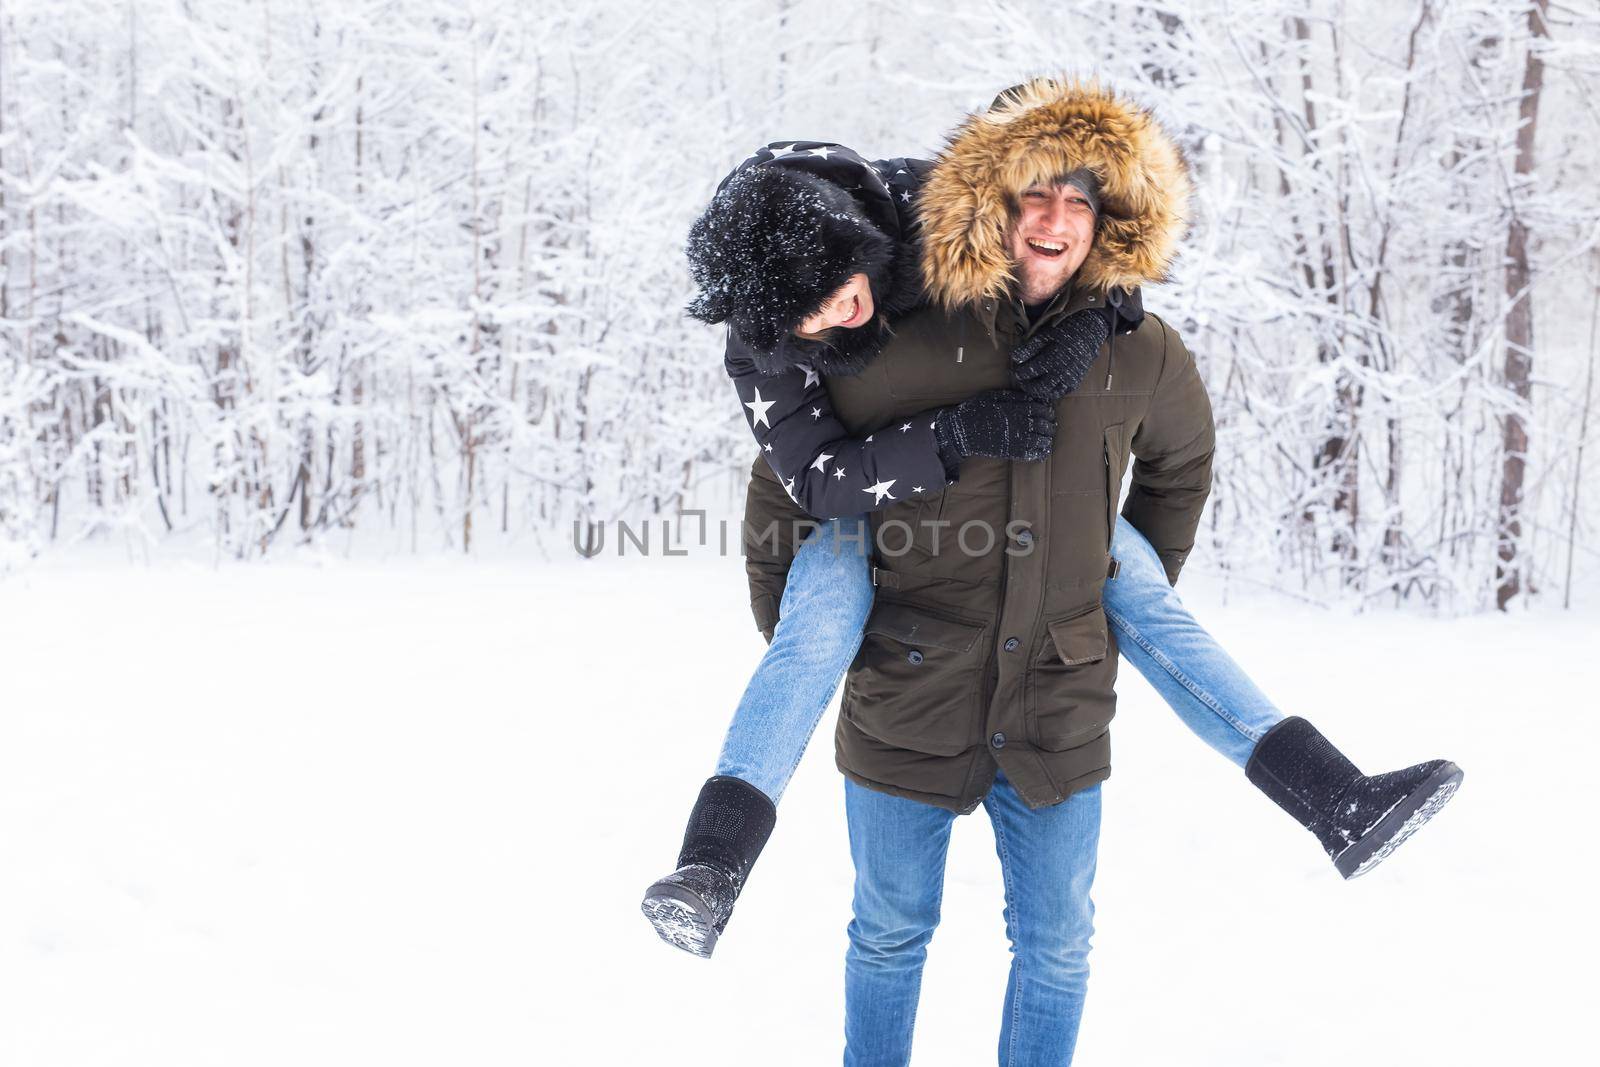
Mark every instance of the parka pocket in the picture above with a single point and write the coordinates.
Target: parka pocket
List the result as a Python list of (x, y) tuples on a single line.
[(1070, 689), (1081, 638), (912, 528), (914, 684)]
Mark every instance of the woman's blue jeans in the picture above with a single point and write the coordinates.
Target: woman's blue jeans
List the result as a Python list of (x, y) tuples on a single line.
[(825, 607)]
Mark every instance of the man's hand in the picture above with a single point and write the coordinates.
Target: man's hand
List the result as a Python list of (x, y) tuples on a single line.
[(1002, 423)]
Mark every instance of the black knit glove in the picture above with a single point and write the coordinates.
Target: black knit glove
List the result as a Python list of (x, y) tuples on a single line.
[(1052, 363), (1002, 423)]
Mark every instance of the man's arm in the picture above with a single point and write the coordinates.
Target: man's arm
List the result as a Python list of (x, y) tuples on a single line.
[(1172, 451)]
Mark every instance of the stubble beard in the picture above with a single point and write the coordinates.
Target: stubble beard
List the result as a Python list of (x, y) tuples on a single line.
[(1039, 284)]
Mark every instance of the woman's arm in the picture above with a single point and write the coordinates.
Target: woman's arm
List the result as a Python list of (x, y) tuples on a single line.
[(824, 469)]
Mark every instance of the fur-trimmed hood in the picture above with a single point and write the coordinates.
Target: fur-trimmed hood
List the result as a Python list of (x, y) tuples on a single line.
[(1037, 132)]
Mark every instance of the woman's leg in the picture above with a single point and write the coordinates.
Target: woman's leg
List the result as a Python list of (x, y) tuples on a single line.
[(1358, 819), (825, 604), (820, 621), (1179, 657)]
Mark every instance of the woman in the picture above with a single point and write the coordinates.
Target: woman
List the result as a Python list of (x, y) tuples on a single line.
[(809, 253)]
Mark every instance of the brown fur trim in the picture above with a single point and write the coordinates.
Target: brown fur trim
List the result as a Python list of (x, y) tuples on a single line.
[(1037, 131)]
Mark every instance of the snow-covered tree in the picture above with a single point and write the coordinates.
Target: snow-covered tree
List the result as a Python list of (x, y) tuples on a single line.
[(412, 270)]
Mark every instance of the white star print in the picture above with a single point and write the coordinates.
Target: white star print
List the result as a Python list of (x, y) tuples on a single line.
[(780, 150), (906, 427), (759, 407), (870, 437), (905, 197), (812, 377), (788, 487), (816, 413), (917, 489), (880, 491), (823, 151), (838, 472), (820, 464), (767, 447)]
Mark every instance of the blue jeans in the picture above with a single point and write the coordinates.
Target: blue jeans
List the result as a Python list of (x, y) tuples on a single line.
[(1177, 656), (898, 845), (1047, 861), (820, 622), (825, 606)]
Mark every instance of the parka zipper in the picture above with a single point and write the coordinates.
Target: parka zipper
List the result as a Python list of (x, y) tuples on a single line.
[(1111, 490), (1114, 302)]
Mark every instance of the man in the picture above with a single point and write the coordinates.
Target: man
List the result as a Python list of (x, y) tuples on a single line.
[(987, 669)]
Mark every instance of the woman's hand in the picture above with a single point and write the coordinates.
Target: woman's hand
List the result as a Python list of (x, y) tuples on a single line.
[(1052, 362), (1002, 423)]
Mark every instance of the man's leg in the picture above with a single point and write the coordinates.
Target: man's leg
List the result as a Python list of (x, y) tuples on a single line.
[(1155, 632), (899, 848), (1047, 856), (825, 606)]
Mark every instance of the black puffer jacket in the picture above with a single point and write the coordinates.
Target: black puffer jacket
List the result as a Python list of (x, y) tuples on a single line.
[(825, 469)]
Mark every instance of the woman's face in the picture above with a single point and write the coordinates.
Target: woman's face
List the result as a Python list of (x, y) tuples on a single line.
[(848, 306)]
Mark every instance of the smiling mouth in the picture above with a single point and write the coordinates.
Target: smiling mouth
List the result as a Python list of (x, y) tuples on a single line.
[(1047, 249), (855, 312)]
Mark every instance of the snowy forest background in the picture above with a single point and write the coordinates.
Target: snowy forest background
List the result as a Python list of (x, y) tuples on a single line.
[(409, 272)]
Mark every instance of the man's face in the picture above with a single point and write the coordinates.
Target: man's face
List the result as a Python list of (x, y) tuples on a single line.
[(1051, 238)]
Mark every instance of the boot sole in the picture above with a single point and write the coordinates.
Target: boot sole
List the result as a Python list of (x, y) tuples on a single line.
[(1403, 820), (681, 918)]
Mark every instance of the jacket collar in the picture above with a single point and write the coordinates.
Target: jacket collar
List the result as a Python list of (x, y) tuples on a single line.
[(1008, 316)]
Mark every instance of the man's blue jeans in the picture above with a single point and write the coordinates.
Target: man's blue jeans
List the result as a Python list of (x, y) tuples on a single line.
[(825, 606), (899, 845), (1047, 860)]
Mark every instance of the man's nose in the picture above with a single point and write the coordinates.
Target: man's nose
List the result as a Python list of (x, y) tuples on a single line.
[(1053, 215)]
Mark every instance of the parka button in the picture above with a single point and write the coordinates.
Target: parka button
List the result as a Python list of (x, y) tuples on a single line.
[(914, 656), (1012, 644), (1024, 538), (998, 740)]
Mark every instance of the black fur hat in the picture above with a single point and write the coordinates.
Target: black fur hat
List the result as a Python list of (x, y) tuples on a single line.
[(774, 242)]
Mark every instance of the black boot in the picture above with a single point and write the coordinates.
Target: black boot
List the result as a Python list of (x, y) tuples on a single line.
[(729, 825), (1359, 819)]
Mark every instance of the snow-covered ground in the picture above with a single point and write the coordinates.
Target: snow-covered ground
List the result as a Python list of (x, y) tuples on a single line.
[(402, 813)]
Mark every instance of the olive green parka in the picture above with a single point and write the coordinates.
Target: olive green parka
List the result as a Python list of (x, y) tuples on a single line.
[(987, 645)]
